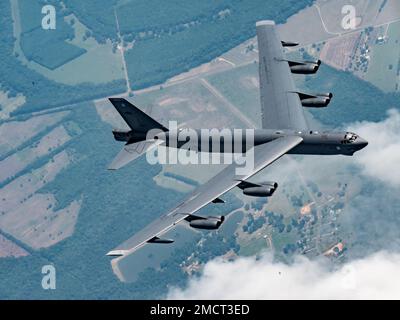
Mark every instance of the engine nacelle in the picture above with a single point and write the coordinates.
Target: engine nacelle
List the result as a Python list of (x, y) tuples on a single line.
[(318, 102), (265, 189), (160, 240), (307, 67), (289, 44), (209, 223)]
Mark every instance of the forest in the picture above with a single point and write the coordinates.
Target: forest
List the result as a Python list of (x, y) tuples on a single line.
[(171, 39), (134, 18), (153, 60), (353, 99)]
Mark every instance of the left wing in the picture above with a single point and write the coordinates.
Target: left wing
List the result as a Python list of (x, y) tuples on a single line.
[(224, 181), (280, 104)]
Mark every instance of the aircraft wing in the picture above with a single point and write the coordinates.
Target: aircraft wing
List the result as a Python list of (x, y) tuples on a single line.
[(280, 104), (224, 181)]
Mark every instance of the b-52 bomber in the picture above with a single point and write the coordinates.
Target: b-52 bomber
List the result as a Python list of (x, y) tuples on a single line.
[(284, 131)]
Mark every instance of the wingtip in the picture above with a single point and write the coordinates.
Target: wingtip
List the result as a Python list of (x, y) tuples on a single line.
[(113, 166), (265, 23), (116, 253)]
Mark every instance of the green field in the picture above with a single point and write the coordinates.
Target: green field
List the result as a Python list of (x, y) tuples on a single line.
[(99, 64), (43, 48), (189, 103), (239, 86), (30, 14), (253, 247), (68, 54), (384, 69)]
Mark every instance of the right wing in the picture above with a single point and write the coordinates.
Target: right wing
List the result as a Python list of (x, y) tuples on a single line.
[(280, 104), (224, 181)]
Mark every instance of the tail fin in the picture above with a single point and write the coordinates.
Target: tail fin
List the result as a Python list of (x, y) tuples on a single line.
[(136, 119)]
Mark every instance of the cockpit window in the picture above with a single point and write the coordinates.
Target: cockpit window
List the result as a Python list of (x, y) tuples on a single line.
[(349, 137)]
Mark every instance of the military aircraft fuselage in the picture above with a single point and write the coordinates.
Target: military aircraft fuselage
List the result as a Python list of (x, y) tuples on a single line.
[(241, 140)]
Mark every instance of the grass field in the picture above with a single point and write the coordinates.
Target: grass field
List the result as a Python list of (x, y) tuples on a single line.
[(50, 52), (240, 87), (384, 67), (190, 104), (98, 65), (9, 104), (79, 60), (253, 247)]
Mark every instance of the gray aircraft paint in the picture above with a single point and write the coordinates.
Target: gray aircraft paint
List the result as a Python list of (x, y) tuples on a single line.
[(314, 142)]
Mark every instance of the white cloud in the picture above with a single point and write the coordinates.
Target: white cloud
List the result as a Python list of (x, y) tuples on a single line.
[(374, 277), (381, 158)]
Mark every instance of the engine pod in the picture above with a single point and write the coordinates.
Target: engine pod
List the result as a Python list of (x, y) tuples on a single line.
[(209, 223), (262, 191)]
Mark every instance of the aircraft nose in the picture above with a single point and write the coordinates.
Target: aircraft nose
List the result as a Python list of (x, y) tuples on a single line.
[(362, 143)]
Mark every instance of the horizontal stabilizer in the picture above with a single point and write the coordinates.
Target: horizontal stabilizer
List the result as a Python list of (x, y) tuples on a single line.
[(131, 152)]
